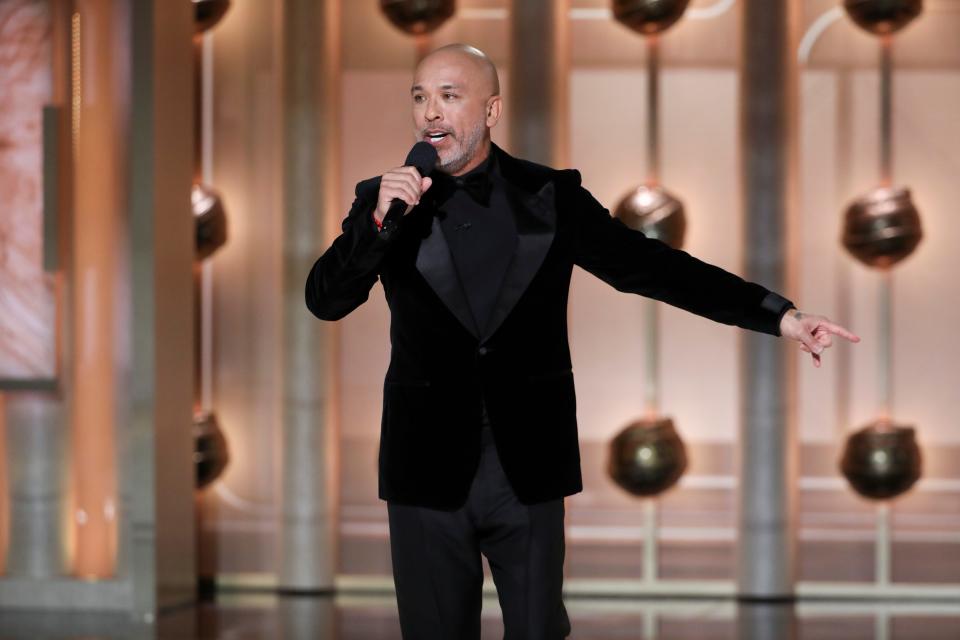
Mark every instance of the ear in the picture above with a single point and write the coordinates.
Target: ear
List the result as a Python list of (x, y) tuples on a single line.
[(494, 107)]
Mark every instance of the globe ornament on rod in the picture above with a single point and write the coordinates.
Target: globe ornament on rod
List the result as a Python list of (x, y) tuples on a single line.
[(882, 17), (649, 17), (210, 228), (210, 454), (417, 17), (882, 460), (207, 13), (882, 227), (647, 457), (655, 212), (210, 220)]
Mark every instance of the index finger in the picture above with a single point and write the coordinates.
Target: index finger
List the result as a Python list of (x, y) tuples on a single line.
[(840, 331), (408, 169)]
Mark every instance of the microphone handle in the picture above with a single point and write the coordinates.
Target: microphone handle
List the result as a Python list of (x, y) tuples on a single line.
[(397, 207)]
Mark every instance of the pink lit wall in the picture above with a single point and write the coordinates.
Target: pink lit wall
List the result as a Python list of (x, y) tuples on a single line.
[(27, 305)]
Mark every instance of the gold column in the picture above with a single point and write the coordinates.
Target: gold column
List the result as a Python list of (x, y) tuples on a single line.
[(98, 134)]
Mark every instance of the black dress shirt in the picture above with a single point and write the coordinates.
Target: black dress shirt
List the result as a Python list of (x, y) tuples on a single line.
[(482, 238)]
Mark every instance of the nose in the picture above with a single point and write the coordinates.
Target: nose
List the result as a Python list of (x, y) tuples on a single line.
[(432, 113)]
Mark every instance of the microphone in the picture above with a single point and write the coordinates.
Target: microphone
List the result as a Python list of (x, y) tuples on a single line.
[(423, 156)]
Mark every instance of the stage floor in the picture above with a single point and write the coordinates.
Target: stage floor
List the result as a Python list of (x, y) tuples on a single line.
[(374, 617)]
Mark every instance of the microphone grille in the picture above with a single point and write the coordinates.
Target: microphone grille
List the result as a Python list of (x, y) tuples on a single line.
[(423, 156)]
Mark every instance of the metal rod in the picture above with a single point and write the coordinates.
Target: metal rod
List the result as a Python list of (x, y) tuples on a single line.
[(884, 344), (653, 178), (422, 46), (881, 626), (651, 357), (843, 294), (650, 554), (206, 270), (882, 548), (653, 110), (650, 624), (197, 45), (886, 121)]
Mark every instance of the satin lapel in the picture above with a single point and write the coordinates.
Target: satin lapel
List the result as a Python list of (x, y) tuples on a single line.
[(536, 219), (435, 264)]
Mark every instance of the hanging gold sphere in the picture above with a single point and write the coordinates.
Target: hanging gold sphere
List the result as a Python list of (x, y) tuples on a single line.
[(881, 17), (417, 17), (210, 220), (647, 457), (882, 227), (207, 13), (882, 460), (654, 211), (649, 17), (210, 454)]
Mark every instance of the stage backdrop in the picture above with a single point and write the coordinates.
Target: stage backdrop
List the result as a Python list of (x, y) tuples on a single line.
[(701, 379)]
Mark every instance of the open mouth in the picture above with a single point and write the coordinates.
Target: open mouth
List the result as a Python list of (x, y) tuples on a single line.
[(435, 137)]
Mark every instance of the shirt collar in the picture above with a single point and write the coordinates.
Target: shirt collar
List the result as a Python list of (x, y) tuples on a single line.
[(488, 166)]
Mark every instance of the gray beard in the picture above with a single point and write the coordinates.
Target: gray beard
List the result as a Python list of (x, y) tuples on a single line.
[(459, 161)]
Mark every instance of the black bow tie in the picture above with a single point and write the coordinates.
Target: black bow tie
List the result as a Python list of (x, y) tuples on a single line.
[(477, 184)]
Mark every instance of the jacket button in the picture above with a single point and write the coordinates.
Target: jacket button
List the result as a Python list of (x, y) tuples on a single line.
[(482, 351)]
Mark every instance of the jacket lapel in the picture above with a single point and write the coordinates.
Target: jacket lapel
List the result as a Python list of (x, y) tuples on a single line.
[(535, 216), (435, 264), (534, 209)]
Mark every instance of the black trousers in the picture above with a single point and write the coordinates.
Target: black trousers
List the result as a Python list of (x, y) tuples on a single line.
[(437, 568)]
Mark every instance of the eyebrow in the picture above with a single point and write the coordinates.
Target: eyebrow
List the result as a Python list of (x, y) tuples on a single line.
[(418, 87)]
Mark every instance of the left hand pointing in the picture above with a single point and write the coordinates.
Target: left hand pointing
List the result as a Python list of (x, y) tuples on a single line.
[(812, 332)]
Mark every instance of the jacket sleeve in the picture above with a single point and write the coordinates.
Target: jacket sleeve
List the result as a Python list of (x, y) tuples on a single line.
[(633, 263), (340, 280)]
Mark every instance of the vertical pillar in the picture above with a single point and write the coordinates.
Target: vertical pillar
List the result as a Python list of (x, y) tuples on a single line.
[(34, 462), (98, 173), (538, 95), (765, 559), (158, 470), (310, 500), (765, 621), (4, 488)]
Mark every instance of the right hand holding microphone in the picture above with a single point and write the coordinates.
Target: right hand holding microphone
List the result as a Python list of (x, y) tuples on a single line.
[(403, 183), (401, 188)]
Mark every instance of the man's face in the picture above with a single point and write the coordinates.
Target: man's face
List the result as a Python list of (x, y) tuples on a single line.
[(451, 101)]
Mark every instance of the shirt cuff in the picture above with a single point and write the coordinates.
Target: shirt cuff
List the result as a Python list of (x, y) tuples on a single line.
[(777, 305)]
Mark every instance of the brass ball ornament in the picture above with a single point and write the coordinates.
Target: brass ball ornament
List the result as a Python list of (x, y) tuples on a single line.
[(882, 460), (208, 13), (647, 457), (882, 227), (649, 17), (882, 17), (210, 452), (654, 211), (210, 220), (417, 17)]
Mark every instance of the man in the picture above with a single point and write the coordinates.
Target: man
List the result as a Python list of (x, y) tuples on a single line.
[(478, 443)]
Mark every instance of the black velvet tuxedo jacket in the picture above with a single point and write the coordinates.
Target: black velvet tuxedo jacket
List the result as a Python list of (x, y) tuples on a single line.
[(442, 367)]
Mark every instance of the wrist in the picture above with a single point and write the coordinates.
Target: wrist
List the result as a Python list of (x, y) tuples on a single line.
[(789, 312)]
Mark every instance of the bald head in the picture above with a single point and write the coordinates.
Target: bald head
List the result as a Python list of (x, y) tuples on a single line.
[(456, 101), (479, 66)]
